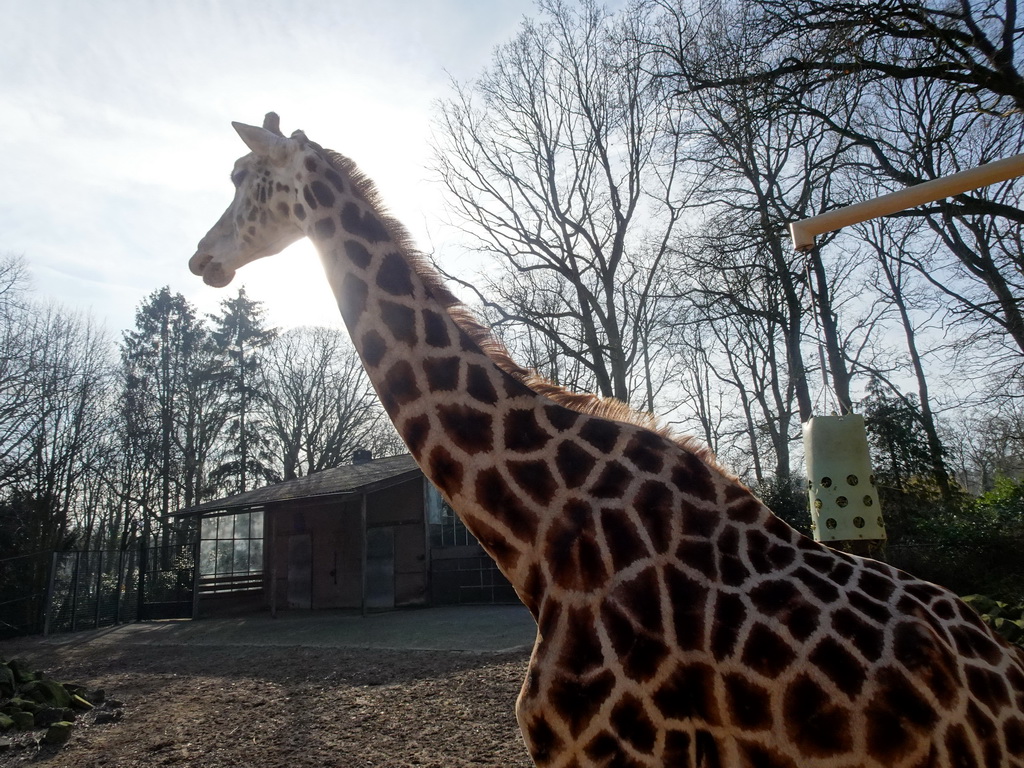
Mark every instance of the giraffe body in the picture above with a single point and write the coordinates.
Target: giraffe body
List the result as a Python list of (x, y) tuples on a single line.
[(680, 623)]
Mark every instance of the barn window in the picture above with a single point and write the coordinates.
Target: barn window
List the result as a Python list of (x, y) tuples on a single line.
[(231, 551), (446, 529)]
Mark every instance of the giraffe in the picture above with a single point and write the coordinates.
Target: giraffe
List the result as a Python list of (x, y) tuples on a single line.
[(680, 623)]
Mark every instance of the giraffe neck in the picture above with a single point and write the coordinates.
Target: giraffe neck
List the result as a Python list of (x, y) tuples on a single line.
[(562, 491), (464, 419)]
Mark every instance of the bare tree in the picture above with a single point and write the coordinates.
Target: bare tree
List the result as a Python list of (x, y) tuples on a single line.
[(937, 89), (562, 160), (971, 46), (59, 427), (892, 245), (320, 405), (765, 163), (18, 404)]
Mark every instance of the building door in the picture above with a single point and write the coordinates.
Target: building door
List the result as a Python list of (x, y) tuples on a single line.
[(380, 568), (300, 571)]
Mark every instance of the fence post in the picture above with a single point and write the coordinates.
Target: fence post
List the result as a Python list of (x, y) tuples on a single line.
[(119, 587), (74, 592), (99, 586), (50, 585), (143, 564), (195, 576)]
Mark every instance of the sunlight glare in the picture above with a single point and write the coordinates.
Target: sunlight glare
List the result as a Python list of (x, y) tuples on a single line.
[(292, 287)]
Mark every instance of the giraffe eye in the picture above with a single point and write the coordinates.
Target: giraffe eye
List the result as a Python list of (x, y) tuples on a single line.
[(238, 177)]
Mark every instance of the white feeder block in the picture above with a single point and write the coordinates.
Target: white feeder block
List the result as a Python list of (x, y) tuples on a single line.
[(841, 486)]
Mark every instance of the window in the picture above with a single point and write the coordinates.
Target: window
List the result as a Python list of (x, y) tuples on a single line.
[(231, 551), (446, 529)]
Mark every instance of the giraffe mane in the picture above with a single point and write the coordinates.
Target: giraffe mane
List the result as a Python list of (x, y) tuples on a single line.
[(588, 404)]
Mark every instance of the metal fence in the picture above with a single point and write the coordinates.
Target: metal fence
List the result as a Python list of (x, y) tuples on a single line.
[(89, 590), (68, 591), (23, 584)]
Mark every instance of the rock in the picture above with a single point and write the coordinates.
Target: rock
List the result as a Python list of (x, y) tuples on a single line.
[(47, 692), (7, 682), (25, 705), (6, 744), (22, 674), (58, 733), (115, 703), (47, 716), (6, 723), (105, 716), (77, 702), (96, 697), (23, 721)]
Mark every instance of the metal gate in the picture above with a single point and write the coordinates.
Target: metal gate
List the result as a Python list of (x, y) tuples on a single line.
[(167, 580)]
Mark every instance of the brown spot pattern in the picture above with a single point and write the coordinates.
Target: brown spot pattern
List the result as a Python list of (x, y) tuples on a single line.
[(352, 303), (435, 331), (562, 419), (468, 428), (575, 557), (601, 434), (374, 347), (400, 384), (578, 700), (322, 193), (573, 463), (523, 433), (400, 321), (358, 254), (689, 693), (479, 386), (362, 224), (324, 229), (415, 432), (612, 481), (495, 494), (394, 276), (535, 479), (445, 472), (442, 373), (645, 450)]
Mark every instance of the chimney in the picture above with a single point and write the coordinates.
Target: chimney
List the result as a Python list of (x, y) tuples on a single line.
[(362, 455)]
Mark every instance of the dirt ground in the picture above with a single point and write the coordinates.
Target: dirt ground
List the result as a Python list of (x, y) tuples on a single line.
[(239, 706)]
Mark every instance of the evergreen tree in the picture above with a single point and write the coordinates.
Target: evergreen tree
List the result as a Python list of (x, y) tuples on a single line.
[(240, 338), (165, 358), (899, 444)]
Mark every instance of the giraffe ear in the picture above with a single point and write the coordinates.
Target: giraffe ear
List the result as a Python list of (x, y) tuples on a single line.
[(264, 143)]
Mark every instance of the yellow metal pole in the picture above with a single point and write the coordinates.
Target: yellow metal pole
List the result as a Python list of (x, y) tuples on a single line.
[(804, 231)]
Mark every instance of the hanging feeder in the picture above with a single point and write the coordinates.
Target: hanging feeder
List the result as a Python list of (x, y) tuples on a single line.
[(841, 486)]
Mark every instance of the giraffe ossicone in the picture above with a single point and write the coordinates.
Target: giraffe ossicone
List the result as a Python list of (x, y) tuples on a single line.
[(680, 623)]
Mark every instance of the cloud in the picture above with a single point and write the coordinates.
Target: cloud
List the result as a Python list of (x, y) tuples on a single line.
[(115, 136)]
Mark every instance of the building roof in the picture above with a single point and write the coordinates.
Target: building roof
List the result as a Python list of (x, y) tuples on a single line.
[(348, 479)]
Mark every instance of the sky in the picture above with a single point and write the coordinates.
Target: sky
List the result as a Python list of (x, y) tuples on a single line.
[(116, 141)]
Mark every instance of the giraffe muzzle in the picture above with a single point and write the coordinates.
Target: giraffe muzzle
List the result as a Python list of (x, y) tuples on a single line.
[(213, 272)]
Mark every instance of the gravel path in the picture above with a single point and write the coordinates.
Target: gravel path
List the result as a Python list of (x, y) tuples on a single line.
[(196, 694)]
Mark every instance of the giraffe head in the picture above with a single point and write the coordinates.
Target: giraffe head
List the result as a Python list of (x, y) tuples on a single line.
[(260, 220)]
